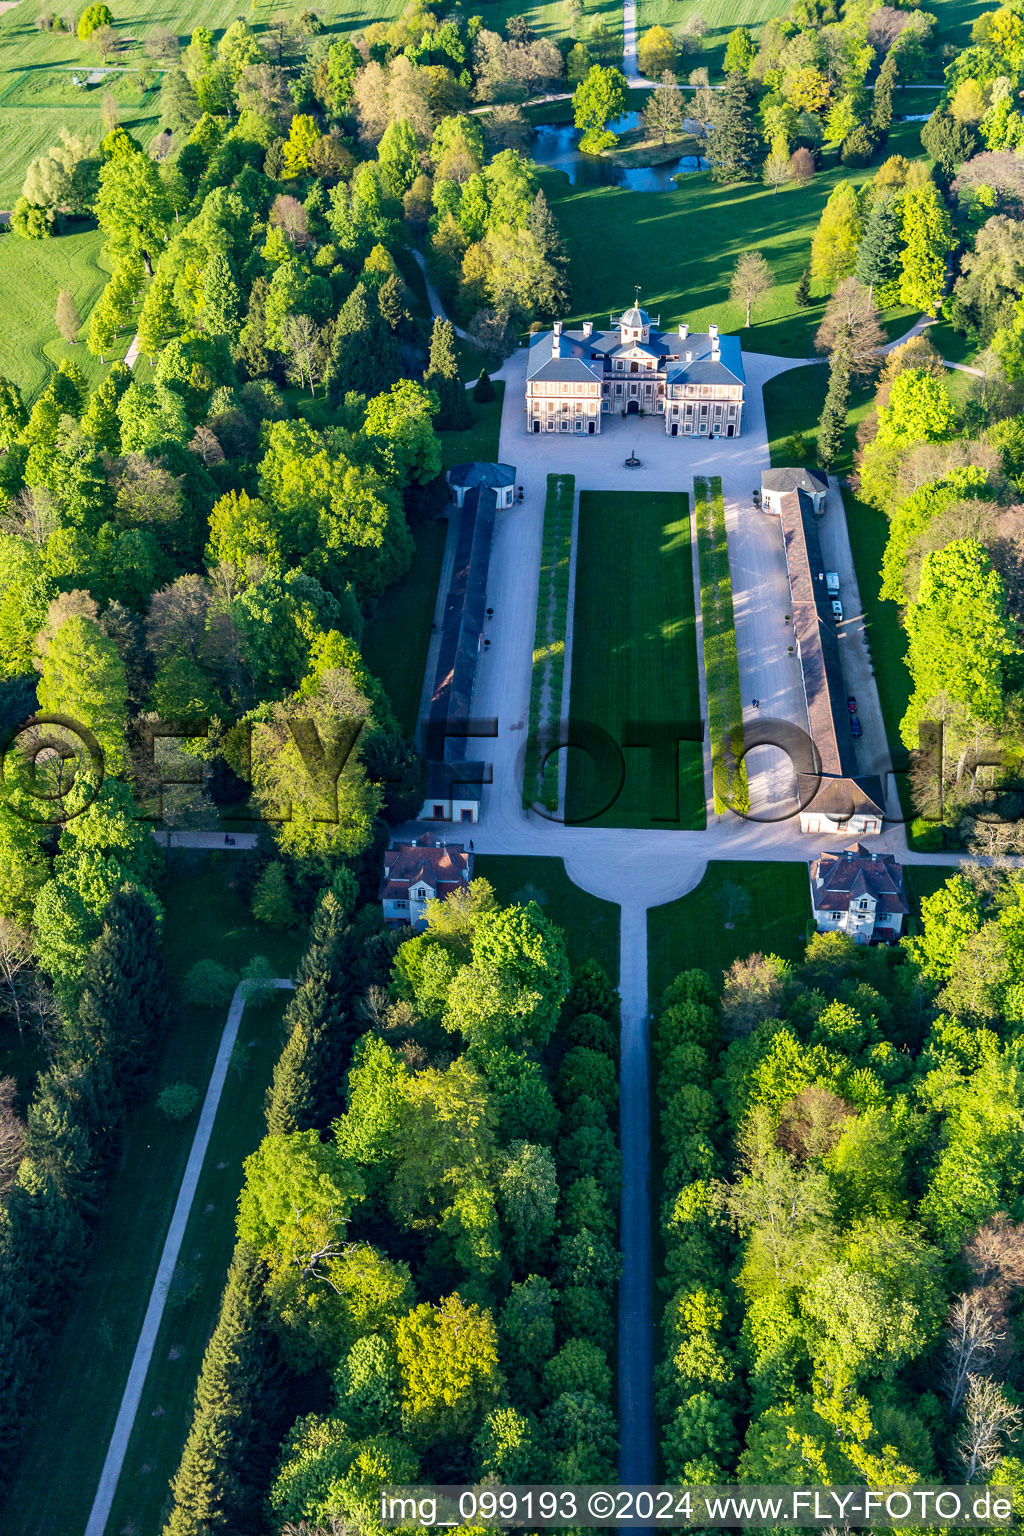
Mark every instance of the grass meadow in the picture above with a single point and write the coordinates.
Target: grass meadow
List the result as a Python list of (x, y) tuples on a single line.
[(736, 909), (87, 1371), (32, 273), (591, 925), (682, 246), (634, 652)]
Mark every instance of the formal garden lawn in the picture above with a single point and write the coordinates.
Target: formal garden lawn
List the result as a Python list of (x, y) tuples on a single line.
[(736, 909), (682, 246), (32, 273), (634, 653), (81, 1393), (591, 925)]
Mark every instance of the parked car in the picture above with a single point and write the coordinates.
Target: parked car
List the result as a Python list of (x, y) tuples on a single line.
[(832, 583), (855, 726), (837, 610), (851, 704)]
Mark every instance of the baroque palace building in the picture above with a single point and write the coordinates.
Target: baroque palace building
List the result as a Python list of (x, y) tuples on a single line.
[(694, 381)]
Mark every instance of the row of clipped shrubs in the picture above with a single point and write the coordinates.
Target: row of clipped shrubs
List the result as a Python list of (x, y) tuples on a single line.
[(721, 663), (541, 783)]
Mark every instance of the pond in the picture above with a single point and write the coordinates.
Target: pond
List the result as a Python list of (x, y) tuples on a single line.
[(556, 145)]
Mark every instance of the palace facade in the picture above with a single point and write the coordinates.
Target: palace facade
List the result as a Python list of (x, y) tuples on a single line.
[(693, 381)]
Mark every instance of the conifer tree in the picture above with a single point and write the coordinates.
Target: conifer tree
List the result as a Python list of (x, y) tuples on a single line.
[(290, 1097), (364, 353), (220, 1481), (881, 103), (483, 390), (802, 297), (832, 426), (443, 377), (735, 135), (878, 256)]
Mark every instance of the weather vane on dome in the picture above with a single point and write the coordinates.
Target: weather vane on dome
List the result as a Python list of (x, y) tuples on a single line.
[(637, 288)]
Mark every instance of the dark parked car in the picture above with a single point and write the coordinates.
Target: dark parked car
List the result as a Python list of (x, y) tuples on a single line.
[(855, 726), (851, 704)]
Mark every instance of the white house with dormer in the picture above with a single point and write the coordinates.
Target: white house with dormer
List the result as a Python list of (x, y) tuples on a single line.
[(859, 893), (427, 869), (694, 381)]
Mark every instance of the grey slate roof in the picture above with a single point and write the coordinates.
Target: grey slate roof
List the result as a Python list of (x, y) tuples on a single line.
[(584, 359), (462, 625), (841, 791), (497, 476), (799, 479), (704, 369)]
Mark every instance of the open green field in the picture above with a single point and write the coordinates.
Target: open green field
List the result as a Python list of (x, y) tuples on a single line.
[(722, 17), (591, 925), (682, 246), (767, 905), (32, 273), (397, 636), (82, 1387), (634, 653)]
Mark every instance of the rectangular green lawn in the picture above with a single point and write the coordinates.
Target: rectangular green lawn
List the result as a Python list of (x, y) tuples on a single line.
[(591, 925), (634, 653), (737, 909), (80, 1394)]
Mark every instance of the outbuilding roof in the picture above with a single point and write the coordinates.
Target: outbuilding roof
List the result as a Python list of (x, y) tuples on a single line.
[(498, 476), (794, 479)]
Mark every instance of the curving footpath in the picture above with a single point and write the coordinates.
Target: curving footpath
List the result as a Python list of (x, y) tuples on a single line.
[(132, 1396)]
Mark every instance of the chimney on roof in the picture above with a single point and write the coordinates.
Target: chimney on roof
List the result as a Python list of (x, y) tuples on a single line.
[(689, 357), (716, 352), (556, 343), (558, 327), (588, 329), (713, 332), (684, 330)]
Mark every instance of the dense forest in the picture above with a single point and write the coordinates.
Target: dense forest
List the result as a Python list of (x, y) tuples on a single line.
[(842, 1206), (427, 1255), (201, 539)]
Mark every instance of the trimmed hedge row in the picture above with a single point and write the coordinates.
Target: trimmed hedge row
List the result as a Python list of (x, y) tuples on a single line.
[(721, 663), (549, 641)]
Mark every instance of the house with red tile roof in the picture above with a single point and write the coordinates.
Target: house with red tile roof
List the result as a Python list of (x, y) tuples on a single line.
[(426, 869), (860, 893)]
